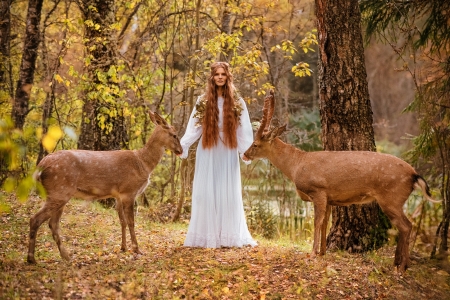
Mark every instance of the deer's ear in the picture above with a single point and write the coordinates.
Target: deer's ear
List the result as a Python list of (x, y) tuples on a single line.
[(157, 119), (276, 132), (280, 130)]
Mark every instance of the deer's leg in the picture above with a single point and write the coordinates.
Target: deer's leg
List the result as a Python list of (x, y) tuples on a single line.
[(320, 209), (129, 215), (404, 226), (323, 240), (123, 224), (54, 226), (35, 222)]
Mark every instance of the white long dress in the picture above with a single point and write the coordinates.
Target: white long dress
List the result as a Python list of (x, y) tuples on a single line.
[(218, 218)]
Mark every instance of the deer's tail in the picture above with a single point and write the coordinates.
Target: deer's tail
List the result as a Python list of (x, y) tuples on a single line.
[(420, 183), (37, 174)]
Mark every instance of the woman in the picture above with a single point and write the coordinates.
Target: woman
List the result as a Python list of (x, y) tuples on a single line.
[(221, 119)]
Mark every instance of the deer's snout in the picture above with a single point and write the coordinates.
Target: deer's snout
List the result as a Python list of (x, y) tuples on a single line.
[(248, 155), (177, 149)]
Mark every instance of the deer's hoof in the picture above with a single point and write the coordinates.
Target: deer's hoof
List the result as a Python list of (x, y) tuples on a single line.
[(137, 251), (65, 255)]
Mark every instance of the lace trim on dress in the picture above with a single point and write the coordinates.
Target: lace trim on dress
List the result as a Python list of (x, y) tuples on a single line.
[(211, 241)]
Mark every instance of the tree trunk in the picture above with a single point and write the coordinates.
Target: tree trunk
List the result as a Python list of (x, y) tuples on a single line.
[(441, 240), (5, 68), (187, 166), (226, 28), (346, 116), (5, 39), (103, 125), (28, 64)]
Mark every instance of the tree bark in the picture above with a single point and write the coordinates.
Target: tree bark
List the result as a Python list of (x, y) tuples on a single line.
[(101, 50), (5, 68), (226, 28), (28, 64), (5, 41), (101, 99), (346, 116)]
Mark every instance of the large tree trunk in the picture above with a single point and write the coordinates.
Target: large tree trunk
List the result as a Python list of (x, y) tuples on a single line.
[(28, 64), (346, 116), (101, 51), (103, 125)]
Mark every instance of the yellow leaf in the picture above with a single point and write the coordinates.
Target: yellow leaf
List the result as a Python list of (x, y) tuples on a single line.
[(55, 132), (39, 132), (48, 143), (226, 290), (58, 78)]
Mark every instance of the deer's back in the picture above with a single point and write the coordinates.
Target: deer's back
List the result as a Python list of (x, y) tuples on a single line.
[(353, 174), (92, 174)]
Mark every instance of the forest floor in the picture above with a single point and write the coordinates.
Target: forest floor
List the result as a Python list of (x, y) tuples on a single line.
[(167, 270)]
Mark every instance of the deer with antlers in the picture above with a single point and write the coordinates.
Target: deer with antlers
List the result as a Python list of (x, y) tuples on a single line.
[(93, 175), (341, 178)]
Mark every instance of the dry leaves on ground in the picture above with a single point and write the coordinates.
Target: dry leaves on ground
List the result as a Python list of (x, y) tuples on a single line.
[(167, 270)]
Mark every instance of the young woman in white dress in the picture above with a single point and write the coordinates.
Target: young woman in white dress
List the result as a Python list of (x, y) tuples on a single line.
[(220, 119)]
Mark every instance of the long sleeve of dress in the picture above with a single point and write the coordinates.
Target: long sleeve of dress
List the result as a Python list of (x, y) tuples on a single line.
[(244, 132), (193, 133)]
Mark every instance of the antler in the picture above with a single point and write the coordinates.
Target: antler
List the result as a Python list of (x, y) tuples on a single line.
[(268, 108)]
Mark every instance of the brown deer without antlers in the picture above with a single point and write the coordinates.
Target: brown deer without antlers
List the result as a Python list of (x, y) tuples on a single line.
[(93, 175), (342, 178)]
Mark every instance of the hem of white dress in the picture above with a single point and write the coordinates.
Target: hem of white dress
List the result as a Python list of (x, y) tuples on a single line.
[(202, 242)]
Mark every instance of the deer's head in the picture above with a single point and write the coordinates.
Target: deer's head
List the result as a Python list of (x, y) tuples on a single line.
[(265, 135), (167, 133)]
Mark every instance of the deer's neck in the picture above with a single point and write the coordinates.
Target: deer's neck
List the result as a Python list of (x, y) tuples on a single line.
[(152, 152), (285, 157)]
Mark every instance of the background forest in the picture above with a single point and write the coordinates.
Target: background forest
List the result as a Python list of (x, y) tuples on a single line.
[(84, 74)]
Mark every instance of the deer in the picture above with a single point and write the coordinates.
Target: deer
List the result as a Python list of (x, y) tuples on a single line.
[(94, 175), (341, 178)]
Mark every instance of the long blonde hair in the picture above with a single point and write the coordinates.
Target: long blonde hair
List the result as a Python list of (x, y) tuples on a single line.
[(211, 118)]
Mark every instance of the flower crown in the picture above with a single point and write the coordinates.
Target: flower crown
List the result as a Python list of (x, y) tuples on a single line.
[(201, 108)]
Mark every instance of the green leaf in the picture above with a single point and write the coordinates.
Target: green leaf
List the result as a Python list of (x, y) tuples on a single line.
[(9, 184), (24, 188)]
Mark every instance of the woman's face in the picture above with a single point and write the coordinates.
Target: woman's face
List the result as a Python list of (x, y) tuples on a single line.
[(220, 77)]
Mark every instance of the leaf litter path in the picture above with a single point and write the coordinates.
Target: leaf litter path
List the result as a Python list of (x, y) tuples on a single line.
[(167, 270)]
